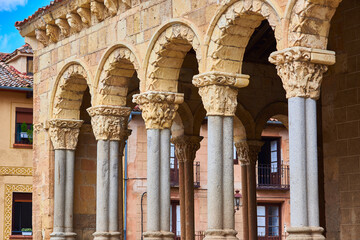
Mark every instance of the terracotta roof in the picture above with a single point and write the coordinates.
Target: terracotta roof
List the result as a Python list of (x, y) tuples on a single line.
[(3, 56), (10, 77), (26, 49), (37, 13)]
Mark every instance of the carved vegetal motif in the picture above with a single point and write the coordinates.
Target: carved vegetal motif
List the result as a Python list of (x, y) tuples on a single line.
[(301, 73), (242, 150), (219, 91), (112, 6), (98, 9), (299, 21), (74, 21), (64, 26), (41, 36), (85, 15), (127, 3), (109, 122), (254, 149), (158, 108), (64, 133), (52, 32), (186, 147)]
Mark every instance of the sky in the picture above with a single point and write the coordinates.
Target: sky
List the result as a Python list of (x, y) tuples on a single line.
[(10, 12)]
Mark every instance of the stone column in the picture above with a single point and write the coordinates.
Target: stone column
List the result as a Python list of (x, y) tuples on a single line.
[(158, 112), (185, 151), (219, 95), (242, 150), (110, 129), (64, 137), (301, 71)]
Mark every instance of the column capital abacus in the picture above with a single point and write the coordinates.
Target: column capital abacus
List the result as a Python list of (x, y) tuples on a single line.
[(158, 108), (64, 133), (186, 147), (219, 90), (301, 70), (109, 122)]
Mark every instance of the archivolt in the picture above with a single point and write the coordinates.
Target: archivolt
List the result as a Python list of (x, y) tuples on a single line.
[(118, 69), (69, 91), (233, 30), (167, 55)]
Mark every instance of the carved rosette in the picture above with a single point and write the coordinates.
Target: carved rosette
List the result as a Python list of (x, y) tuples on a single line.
[(186, 147), (218, 91), (64, 133), (109, 122), (158, 108), (301, 70), (242, 150)]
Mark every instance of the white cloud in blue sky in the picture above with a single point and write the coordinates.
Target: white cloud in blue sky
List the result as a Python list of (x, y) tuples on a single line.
[(10, 5)]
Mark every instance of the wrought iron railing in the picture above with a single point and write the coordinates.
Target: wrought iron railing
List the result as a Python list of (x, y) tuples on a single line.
[(273, 177), (174, 178)]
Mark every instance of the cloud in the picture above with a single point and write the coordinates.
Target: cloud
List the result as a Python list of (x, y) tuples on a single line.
[(9, 42), (10, 5)]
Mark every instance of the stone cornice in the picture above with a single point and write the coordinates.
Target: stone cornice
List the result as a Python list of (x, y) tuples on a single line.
[(109, 122), (186, 147), (301, 70), (64, 133), (158, 108)]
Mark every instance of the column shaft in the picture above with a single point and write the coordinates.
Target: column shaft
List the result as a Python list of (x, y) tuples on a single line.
[(153, 180), (312, 163), (244, 191), (215, 171), (228, 173), (59, 190), (165, 179), (183, 200), (297, 154), (189, 199), (252, 205), (69, 190), (114, 188), (102, 187)]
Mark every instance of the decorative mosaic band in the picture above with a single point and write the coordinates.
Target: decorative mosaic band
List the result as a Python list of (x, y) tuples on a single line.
[(16, 171)]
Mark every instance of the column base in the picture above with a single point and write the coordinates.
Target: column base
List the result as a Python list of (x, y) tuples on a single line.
[(70, 236), (101, 235), (159, 235), (57, 236), (230, 234), (215, 234), (115, 235), (305, 233)]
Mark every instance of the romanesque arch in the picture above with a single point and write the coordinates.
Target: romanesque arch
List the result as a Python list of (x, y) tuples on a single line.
[(167, 51), (114, 75), (309, 22), (230, 33), (68, 92), (246, 119)]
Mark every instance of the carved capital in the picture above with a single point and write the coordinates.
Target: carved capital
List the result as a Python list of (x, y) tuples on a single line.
[(242, 150), (74, 21), (64, 26), (52, 32), (98, 9), (219, 91), (254, 149), (64, 133), (112, 5), (85, 15), (158, 108), (109, 122), (301, 70), (41, 36), (186, 147)]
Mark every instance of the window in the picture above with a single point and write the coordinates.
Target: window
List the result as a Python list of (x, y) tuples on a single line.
[(22, 212), (174, 167), (236, 159), (29, 65), (23, 126), (175, 225), (268, 221)]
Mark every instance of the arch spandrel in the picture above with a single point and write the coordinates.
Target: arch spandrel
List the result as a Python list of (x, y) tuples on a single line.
[(166, 54), (230, 32), (68, 91), (116, 70)]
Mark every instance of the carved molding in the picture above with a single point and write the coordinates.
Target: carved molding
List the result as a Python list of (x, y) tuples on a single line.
[(158, 108), (52, 32), (74, 21), (41, 36), (64, 26), (98, 9), (112, 6), (301, 70), (109, 122), (84, 14), (242, 150), (127, 3), (16, 171), (186, 147), (64, 133), (221, 79)]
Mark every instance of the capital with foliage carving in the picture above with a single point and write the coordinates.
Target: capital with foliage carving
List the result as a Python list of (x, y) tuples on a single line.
[(64, 133), (186, 147), (254, 149), (218, 91), (158, 108), (109, 122), (301, 70), (242, 150)]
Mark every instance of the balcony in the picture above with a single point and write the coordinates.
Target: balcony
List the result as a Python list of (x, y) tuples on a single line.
[(174, 175), (273, 177)]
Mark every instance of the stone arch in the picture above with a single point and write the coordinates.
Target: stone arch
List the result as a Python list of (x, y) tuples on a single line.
[(68, 92), (277, 109), (116, 69), (187, 118), (239, 130), (230, 32), (309, 22), (199, 116), (246, 119), (166, 53)]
